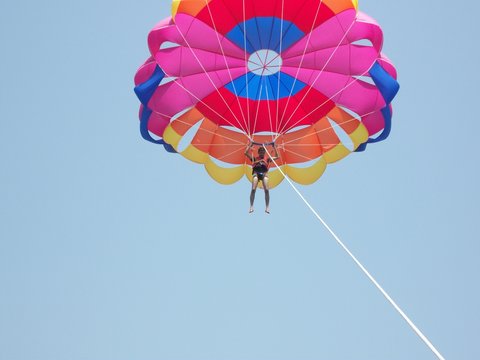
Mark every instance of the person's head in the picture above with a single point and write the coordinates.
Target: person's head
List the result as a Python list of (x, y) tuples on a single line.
[(261, 151)]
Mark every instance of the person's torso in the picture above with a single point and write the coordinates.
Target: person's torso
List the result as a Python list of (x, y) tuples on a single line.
[(260, 164)]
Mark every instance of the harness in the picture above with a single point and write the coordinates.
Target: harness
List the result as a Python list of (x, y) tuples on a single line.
[(260, 165)]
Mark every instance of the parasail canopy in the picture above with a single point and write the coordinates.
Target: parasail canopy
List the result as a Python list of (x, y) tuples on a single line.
[(308, 75)]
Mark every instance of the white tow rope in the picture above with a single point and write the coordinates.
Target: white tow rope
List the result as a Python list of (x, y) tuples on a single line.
[(359, 264)]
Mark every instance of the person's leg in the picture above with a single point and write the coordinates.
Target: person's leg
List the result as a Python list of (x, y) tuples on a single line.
[(267, 194), (252, 193)]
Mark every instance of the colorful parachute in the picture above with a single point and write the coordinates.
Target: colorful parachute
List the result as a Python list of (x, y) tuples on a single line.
[(308, 75)]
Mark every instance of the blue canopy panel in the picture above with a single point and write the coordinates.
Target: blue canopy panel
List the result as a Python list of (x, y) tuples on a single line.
[(268, 87), (264, 33), (388, 87), (144, 93)]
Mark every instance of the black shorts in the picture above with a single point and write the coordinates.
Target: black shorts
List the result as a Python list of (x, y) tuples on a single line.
[(259, 175)]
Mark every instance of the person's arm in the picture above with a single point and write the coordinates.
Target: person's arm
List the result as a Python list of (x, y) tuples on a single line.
[(275, 152), (247, 153)]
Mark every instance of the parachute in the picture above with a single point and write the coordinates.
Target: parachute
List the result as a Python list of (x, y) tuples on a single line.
[(307, 75)]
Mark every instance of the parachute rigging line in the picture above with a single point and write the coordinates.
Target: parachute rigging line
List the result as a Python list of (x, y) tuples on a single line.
[(280, 51), (326, 101), (179, 83), (246, 69), (316, 78), (301, 62), (212, 82), (228, 67), (359, 264)]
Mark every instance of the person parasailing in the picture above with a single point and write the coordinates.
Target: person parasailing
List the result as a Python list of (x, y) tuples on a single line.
[(260, 166)]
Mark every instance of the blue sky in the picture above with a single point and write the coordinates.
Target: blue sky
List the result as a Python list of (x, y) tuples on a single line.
[(110, 248)]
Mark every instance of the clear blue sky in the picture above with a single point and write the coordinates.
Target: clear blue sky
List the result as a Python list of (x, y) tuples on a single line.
[(111, 248)]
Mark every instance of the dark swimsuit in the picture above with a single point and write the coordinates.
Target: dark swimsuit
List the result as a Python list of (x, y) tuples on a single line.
[(260, 168)]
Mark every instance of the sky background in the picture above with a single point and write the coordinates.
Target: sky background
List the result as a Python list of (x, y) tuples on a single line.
[(111, 248)]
